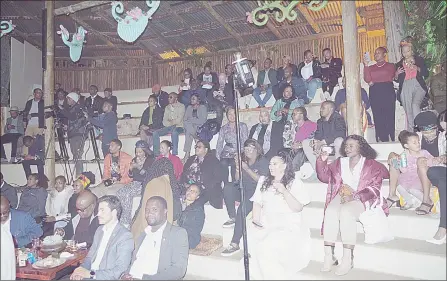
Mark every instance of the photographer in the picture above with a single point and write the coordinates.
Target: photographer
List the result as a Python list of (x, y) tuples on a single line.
[(75, 129), (116, 171)]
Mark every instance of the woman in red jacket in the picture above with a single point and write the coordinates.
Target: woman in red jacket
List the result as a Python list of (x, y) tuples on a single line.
[(353, 179)]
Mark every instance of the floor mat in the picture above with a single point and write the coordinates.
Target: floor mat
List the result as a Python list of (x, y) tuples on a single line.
[(208, 245)]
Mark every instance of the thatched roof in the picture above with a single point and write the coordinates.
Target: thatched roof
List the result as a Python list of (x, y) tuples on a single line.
[(178, 27)]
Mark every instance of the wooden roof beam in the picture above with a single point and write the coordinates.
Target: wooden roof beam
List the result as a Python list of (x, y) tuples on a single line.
[(359, 19), (77, 7), (274, 30), (305, 12), (98, 34), (230, 30)]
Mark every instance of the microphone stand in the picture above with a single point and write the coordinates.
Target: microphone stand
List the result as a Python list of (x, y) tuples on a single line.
[(242, 203)]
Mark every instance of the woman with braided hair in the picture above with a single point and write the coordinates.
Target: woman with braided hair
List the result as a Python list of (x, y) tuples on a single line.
[(160, 181)]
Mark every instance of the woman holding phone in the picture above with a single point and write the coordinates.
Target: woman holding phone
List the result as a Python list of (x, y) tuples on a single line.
[(281, 240), (353, 179), (382, 96)]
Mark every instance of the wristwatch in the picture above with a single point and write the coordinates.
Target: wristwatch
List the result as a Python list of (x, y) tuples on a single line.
[(92, 275)]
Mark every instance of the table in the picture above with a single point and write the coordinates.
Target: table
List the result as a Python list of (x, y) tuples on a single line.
[(28, 272)]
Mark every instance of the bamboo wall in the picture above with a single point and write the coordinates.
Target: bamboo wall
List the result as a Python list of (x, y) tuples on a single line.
[(120, 74), (170, 73)]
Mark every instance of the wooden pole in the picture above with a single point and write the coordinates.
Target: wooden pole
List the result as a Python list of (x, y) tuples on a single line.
[(352, 68), (79, 6), (394, 14), (48, 88)]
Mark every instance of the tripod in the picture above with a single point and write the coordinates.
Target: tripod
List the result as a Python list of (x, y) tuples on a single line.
[(63, 150)]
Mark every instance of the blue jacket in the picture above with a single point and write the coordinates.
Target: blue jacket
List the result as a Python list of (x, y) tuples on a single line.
[(108, 122), (298, 87), (24, 228)]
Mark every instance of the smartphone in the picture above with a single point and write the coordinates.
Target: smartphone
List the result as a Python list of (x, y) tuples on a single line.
[(330, 150), (367, 57)]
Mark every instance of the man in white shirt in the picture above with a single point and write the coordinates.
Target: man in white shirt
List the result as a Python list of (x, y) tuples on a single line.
[(34, 113), (8, 255), (111, 251), (162, 249)]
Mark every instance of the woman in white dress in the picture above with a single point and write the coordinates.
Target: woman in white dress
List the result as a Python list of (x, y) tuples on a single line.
[(280, 241)]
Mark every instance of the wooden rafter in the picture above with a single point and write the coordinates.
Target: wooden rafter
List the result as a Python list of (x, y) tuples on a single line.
[(359, 19), (230, 30), (274, 30), (305, 12), (77, 7), (98, 34)]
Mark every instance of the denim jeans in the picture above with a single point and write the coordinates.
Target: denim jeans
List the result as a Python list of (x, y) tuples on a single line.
[(174, 131), (257, 95), (312, 87)]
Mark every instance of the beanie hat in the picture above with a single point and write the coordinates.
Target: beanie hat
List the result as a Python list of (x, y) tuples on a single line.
[(73, 96)]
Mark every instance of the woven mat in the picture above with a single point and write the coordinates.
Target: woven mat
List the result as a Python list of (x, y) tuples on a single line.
[(208, 244)]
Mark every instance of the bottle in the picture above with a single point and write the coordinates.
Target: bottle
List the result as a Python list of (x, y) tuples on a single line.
[(403, 160)]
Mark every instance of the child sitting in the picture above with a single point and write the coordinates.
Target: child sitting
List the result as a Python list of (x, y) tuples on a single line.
[(409, 184)]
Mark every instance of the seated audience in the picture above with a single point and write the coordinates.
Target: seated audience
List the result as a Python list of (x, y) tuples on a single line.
[(279, 236), (438, 177), (297, 130), (22, 226), (34, 196), (107, 121), (438, 89), (217, 102), (340, 99), (267, 80), (298, 86), (409, 184), (196, 115), (172, 122), (116, 171), (229, 85), (76, 128), (187, 87), (94, 102), (430, 139), (331, 130), (330, 72), (254, 165), (9, 192), (310, 72), (57, 206), (82, 227), (36, 154), (81, 100), (151, 120), (111, 252), (226, 148), (14, 129), (382, 95), (165, 151), (108, 96), (161, 96), (60, 100), (192, 217), (138, 172), (353, 179), (34, 114), (160, 181), (287, 61), (205, 170), (161, 249), (207, 82), (8, 254), (262, 131), (280, 114)]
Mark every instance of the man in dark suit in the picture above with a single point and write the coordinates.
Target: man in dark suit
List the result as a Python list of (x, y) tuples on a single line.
[(162, 249), (161, 96), (266, 82), (111, 251), (34, 114), (94, 101), (21, 225), (9, 192)]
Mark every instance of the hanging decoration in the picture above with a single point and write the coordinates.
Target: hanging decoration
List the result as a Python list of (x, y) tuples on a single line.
[(76, 43), (6, 27), (135, 21), (259, 16)]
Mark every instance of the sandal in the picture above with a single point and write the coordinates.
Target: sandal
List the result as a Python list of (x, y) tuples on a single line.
[(392, 202), (423, 212)]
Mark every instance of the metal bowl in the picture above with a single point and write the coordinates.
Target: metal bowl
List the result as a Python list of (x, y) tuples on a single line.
[(56, 248)]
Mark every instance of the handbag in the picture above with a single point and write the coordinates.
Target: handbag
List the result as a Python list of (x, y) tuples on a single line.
[(375, 223)]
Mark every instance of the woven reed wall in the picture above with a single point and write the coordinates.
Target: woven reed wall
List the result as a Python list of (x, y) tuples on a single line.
[(170, 73)]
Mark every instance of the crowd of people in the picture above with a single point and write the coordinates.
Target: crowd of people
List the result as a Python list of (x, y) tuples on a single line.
[(152, 240)]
